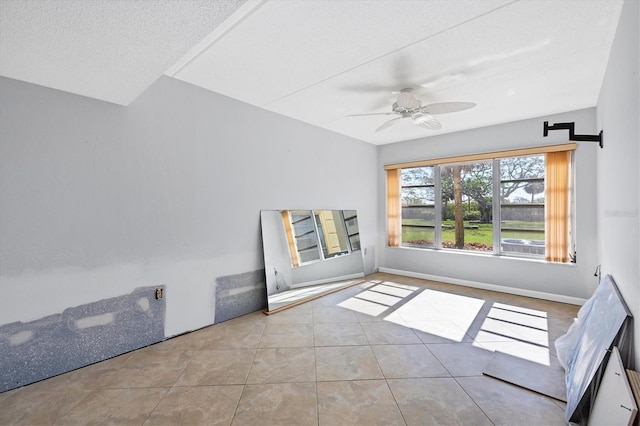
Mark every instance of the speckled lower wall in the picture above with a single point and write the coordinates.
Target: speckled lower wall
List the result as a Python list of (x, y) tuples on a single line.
[(79, 336), (240, 294)]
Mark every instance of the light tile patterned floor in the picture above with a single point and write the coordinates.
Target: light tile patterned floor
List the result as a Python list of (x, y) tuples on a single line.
[(393, 350)]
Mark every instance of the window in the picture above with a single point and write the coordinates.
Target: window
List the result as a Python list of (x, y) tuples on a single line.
[(449, 204), (305, 235), (322, 234), (418, 206), (467, 194), (522, 205)]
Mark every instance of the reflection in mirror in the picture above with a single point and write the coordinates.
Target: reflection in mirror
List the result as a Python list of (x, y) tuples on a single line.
[(308, 253)]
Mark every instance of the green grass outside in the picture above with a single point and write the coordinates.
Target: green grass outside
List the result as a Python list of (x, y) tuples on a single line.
[(482, 235)]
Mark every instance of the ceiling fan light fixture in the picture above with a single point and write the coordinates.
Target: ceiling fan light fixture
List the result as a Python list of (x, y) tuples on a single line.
[(407, 101)]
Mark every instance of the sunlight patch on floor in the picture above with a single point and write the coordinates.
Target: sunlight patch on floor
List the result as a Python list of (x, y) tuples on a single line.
[(444, 329), (517, 331), (363, 306), (424, 310), (438, 305), (378, 298), (395, 289), (514, 330)]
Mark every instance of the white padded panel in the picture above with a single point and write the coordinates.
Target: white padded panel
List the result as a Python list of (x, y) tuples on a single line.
[(108, 50)]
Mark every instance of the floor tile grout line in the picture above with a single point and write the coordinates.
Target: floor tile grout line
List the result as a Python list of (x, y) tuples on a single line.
[(253, 361), (235, 410), (60, 416), (157, 404), (474, 401), (386, 380), (317, 393), (438, 360)]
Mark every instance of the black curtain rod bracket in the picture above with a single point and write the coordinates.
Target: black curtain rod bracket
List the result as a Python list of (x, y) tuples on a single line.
[(572, 135)]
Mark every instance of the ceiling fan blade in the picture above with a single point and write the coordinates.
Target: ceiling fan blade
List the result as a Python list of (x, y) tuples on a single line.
[(426, 121), (388, 124), (445, 107)]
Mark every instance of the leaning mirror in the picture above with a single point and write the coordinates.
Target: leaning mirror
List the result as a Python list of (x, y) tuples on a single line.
[(308, 253)]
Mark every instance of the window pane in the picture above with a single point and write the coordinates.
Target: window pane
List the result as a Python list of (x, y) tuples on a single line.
[(417, 176), (418, 202), (306, 242), (355, 242), (304, 232), (418, 226), (309, 254), (352, 226), (522, 229), (516, 173), (522, 205), (467, 192), (418, 196), (351, 223)]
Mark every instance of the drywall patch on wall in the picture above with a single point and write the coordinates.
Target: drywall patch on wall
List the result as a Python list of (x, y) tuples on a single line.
[(79, 336), (240, 294)]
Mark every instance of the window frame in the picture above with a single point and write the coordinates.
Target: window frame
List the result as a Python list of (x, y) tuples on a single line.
[(494, 157), (410, 206), (500, 206)]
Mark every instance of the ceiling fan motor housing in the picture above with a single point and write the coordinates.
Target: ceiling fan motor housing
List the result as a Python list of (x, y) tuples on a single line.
[(406, 102)]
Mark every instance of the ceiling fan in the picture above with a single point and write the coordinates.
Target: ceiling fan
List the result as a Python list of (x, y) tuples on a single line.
[(408, 106)]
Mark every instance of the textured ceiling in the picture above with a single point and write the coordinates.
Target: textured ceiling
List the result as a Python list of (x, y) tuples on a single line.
[(320, 61), (108, 50)]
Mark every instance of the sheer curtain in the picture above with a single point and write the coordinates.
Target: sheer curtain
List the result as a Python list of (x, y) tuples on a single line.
[(286, 221), (393, 207), (557, 206)]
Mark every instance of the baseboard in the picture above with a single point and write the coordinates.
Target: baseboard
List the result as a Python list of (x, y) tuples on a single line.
[(486, 286)]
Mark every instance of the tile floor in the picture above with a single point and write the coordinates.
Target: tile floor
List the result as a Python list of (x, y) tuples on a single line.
[(392, 350)]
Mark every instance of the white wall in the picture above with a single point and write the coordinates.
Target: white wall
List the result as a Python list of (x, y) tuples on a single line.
[(97, 199), (618, 164), (565, 282)]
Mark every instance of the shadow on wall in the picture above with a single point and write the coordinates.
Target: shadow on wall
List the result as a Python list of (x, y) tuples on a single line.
[(80, 336)]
